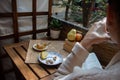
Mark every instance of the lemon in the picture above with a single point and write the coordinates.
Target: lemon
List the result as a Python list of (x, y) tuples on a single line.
[(44, 55)]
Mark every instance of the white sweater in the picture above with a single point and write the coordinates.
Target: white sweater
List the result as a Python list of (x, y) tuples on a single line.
[(70, 68)]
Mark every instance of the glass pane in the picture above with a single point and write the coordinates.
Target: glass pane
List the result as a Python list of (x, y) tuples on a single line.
[(25, 23), (24, 5), (42, 22), (42, 5), (26, 37), (5, 6), (41, 35), (6, 27)]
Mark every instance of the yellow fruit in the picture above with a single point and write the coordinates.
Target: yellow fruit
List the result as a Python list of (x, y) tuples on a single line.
[(71, 35), (44, 55)]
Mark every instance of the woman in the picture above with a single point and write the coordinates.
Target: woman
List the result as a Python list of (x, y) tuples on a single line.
[(70, 68)]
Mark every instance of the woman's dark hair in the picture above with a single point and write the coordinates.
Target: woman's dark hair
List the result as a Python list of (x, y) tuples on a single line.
[(115, 4), (109, 1)]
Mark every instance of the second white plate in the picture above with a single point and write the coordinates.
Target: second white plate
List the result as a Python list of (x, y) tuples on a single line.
[(35, 48)]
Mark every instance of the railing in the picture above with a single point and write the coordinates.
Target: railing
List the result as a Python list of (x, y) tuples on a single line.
[(67, 26)]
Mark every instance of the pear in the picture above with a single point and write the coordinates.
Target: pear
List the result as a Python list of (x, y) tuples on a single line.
[(71, 35)]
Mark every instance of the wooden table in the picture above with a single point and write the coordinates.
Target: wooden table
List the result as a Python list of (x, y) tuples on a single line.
[(17, 53)]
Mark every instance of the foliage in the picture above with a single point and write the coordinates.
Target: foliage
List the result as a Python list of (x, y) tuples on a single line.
[(55, 24), (97, 10)]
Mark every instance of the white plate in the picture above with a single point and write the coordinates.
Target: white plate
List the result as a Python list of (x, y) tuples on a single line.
[(51, 55), (35, 48)]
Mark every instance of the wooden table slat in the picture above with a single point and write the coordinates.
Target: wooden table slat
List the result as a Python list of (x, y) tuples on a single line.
[(39, 70), (50, 77), (21, 52), (26, 45), (24, 69), (36, 67)]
